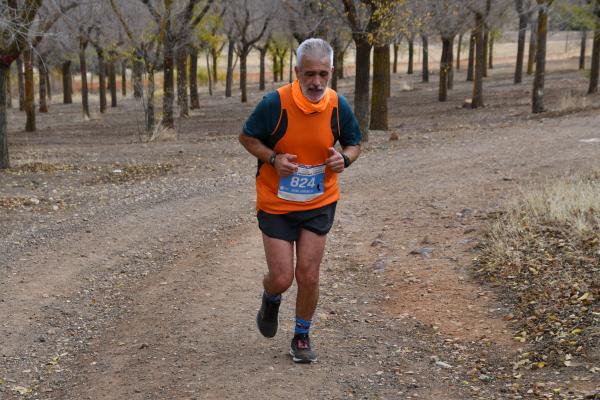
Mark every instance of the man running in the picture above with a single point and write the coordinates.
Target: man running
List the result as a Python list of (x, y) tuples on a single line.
[(292, 133)]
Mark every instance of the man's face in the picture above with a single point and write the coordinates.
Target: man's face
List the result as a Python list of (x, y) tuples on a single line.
[(314, 75)]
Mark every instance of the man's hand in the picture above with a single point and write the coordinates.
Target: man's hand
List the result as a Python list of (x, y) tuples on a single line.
[(335, 162), (285, 164)]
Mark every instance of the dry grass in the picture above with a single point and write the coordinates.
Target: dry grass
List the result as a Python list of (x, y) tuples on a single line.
[(544, 255), (573, 101), (162, 134)]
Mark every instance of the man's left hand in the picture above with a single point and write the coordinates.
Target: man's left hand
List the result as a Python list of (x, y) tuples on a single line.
[(335, 162)]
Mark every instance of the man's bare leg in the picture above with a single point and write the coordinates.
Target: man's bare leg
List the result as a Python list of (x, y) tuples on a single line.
[(309, 253), (280, 261), (280, 258)]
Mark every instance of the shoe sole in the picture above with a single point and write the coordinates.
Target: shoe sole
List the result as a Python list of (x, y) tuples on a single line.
[(301, 360)]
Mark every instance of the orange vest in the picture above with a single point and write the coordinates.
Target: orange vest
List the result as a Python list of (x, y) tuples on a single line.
[(309, 137)]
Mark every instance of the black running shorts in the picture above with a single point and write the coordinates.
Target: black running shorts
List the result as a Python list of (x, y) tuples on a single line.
[(288, 226)]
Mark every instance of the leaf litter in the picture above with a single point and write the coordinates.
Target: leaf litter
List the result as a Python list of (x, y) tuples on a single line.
[(543, 255)]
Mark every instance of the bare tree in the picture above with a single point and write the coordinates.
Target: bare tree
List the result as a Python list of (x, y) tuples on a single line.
[(262, 46), (540, 62), (363, 20), (522, 7), (176, 20), (250, 21), (448, 16), (595, 69), (15, 23), (145, 40)]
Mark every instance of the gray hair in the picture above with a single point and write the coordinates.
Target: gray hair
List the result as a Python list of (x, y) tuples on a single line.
[(316, 48)]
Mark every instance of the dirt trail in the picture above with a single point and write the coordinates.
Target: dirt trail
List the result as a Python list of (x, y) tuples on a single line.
[(156, 299)]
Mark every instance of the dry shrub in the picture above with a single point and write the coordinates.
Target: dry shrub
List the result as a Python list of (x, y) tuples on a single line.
[(162, 134), (544, 256)]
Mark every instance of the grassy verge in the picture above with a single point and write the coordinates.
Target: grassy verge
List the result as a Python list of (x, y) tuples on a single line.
[(543, 254)]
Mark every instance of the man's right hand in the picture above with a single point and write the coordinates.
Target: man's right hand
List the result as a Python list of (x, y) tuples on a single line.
[(285, 164)]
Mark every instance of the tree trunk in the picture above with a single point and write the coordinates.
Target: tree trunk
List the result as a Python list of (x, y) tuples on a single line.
[(84, 86), (491, 53), (340, 64), (275, 63), (194, 100), (124, 78), (243, 59), (182, 83), (388, 74), (582, 49), (42, 69), (395, 67), (411, 55), (263, 55), (215, 60), (379, 101), (471, 63), (4, 76), (540, 67), (361, 85), (334, 77), (450, 63), (21, 83), (520, 48), (595, 69), (208, 74), (168, 120), (29, 90), (150, 121), (8, 90), (532, 48), (229, 78), (101, 79), (458, 51), (67, 83), (486, 48), (425, 68), (48, 85), (112, 83), (281, 65), (444, 70), (477, 100), (138, 83), (291, 74)]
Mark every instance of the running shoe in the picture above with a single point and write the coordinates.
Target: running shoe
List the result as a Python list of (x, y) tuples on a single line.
[(301, 351), (267, 317)]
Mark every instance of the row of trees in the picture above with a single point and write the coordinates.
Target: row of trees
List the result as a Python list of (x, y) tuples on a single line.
[(152, 36)]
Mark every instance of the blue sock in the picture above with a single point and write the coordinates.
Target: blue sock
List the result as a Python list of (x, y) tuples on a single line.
[(302, 326), (275, 298)]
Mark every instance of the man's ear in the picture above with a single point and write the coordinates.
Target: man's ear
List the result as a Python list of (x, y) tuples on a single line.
[(297, 71)]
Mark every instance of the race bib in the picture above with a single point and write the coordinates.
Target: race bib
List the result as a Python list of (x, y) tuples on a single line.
[(306, 184)]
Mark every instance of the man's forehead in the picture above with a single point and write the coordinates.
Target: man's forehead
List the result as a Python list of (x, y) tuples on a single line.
[(315, 62)]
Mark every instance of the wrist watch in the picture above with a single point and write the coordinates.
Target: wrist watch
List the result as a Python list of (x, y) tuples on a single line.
[(346, 160), (272, 159)]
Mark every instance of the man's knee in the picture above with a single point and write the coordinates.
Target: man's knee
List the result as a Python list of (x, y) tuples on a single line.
[(307, 277), (280, 282)]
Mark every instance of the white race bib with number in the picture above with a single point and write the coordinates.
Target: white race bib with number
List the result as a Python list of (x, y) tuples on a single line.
[(306, 184)]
